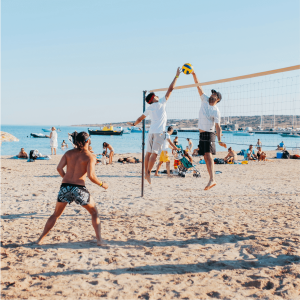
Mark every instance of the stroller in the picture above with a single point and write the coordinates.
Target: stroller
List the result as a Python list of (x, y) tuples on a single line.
[(185, 164)]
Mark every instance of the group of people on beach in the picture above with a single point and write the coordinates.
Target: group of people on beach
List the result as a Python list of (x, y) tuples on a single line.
[(80, 161)]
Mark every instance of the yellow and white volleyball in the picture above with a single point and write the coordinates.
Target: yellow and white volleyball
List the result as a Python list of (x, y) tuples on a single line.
[(187, 69)]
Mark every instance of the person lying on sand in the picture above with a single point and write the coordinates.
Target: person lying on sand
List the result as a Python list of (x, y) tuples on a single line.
[(196, 152), (164, 156), (80, 163), (131, 160), (22, 154), (231, 156)]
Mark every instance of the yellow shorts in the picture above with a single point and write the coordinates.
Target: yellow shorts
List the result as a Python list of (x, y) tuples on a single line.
[(164, 156)]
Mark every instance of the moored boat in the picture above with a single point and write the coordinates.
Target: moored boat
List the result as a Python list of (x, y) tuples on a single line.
[(243, 133), (38, 135), (105, 131)]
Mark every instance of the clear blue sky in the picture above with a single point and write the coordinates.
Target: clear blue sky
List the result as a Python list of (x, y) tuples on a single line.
[(78, 62)]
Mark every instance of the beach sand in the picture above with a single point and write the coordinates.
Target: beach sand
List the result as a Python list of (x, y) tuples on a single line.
[(239, 240)]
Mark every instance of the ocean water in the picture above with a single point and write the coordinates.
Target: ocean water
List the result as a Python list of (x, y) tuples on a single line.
[(128, 143)]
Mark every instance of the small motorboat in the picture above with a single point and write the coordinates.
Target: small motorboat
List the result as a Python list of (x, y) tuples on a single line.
[(46, 130), (290, 134), (137, 129), (38, 135), (105, 131), (243, 133)]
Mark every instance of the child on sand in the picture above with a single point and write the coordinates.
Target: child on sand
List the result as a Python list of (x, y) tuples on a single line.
[(80, 162), (164, 156)]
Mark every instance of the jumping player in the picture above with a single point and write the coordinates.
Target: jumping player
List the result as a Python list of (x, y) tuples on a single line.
[(80, 163), (209, 121), (158, 116)]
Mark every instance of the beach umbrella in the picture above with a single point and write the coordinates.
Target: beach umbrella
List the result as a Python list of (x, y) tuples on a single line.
[(7, 137)]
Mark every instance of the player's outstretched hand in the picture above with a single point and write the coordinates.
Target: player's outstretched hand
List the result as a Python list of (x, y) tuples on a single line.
[(105, 185), (178, 71), (223, 144)]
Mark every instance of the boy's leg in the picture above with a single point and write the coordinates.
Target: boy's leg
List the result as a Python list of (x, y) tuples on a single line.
[(147, 157), (151, 163), (92, 209), (59, 209), (158, 167), (210, 168), (168, 169)]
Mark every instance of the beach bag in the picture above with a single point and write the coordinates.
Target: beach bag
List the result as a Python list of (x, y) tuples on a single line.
[(285, 154), (242, 152), (219, 161)]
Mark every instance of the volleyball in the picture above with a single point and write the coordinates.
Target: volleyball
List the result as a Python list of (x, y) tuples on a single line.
[(187, 69)]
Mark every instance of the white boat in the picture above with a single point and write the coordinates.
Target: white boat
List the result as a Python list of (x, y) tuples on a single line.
[(126, 131), (291, 134), (137, 129), (46, 130), (243, 133)]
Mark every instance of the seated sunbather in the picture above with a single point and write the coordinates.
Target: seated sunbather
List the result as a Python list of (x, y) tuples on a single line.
[(231, 156), (261, 156), (196, 152), (22, 154), (250, 154), (185, 154)]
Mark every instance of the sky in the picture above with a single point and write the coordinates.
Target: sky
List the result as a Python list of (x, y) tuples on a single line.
[(83, 62)]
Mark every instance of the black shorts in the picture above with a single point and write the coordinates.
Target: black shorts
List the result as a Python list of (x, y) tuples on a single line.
[(207, 143), (72, 192)]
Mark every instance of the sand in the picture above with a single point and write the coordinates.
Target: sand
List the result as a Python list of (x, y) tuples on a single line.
[(240, 240)]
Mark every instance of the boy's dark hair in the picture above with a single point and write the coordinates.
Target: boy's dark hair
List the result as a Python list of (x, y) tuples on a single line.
[(79, 139), (188, 139), (148, 98), (170, 128), (105, 145), (218, 94)]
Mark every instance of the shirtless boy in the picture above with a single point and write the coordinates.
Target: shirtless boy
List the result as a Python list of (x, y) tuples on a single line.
[(80, 163)]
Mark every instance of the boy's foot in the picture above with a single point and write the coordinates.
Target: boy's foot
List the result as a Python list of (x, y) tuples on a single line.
[(156, 175), (170, 176), (101, 243), (148, 178), (210, 184)]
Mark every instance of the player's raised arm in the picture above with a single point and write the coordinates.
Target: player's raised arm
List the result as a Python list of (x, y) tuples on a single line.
[(139, 120), (199, 88), (172, 85)]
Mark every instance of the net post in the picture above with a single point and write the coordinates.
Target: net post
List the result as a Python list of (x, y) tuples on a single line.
[(143, 145)]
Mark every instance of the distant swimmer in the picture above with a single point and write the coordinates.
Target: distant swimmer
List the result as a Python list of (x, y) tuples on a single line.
[(157, 113), (80, 163), (209, 121)]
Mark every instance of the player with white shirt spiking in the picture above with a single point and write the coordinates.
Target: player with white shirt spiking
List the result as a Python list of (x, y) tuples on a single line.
[(209, 121), (157, 113)]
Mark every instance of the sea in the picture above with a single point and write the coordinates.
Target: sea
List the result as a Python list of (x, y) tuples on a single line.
[(128, 143)]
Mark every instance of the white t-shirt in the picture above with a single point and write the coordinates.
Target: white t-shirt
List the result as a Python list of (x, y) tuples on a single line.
[(166, 143), (158, 116), (208, 115)]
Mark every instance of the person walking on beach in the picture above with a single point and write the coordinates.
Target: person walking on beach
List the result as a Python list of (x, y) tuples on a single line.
[(80, 163), (158, 116), (53, 140), (209, 121), (111, 153), (164, 156), (190, 146)]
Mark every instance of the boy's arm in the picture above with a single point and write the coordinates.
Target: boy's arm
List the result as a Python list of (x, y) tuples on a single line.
[(172, 85), (92, 175), (173, 146), (139, 120), (199, 88), (61, 165)]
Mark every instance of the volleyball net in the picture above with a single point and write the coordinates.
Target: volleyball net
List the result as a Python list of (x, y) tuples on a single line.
[(263, 106)]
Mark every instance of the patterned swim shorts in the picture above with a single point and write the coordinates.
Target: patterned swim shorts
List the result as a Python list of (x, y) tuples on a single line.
[(72, 192)]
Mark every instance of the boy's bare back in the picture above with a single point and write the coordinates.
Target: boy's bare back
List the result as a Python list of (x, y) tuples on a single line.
[(79, 164)]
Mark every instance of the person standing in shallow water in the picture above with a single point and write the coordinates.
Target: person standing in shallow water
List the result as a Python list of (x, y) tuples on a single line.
[(80, 162), (53, 140)]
